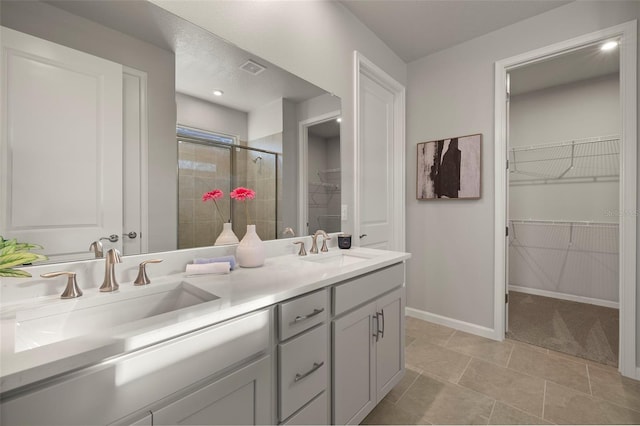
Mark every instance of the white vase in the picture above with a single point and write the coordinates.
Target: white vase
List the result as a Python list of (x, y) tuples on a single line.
[(227, 236), (250, 253)]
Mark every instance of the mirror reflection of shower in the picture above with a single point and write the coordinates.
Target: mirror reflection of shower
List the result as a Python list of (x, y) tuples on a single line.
[(324, 176), (208, 161)]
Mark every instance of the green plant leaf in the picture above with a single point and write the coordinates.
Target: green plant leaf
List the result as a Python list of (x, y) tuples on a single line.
[(14, 273), (7, 250), (19, 258), (27, 246)]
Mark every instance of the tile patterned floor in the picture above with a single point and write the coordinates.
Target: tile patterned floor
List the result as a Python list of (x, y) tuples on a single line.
[(457, 378)]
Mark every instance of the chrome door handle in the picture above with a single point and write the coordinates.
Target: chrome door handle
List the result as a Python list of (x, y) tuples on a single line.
[(382, 331), (316, 365), (132, 234), (305, 317), (113, 238), (377, 333)]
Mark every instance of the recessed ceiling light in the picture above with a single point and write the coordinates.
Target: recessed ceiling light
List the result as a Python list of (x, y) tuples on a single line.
[(610, 45), (339, 119), (218, 92)]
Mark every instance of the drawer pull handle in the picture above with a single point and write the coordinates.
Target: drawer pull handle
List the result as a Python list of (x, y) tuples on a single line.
[(305, 317), (316, 365)]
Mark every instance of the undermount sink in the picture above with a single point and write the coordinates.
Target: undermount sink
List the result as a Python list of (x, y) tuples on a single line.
[(56, 322), (335, 259)]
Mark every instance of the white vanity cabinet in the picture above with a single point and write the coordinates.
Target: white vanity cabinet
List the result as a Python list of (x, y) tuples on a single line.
[(368, 342), (240, 398), (216, 362)]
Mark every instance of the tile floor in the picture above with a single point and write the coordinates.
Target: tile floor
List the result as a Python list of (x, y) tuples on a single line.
[(454, 377)]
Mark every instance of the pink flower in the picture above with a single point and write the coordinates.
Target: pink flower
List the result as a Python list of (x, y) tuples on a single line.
[(216, 194), (242, 194)]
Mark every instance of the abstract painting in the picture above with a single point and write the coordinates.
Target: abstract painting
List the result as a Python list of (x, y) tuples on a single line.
[(449, 168)]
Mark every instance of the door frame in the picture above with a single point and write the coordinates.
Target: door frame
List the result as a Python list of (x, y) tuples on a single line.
[(363, 66), (303, 166), (627, 32)]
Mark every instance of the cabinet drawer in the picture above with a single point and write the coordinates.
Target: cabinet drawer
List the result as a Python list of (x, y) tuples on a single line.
[(360, 290), (303, 370), (298, 315), (313, 414)]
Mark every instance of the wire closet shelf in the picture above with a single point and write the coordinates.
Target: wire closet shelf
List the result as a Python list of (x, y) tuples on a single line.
[(587, 159)]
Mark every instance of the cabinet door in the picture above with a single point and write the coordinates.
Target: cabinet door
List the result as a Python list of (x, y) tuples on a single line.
[(353, 359), (240, 398), (390, 344)]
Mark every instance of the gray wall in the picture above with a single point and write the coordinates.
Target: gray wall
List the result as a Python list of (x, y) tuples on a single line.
[(585, 109), (58, 26), (451, 93)]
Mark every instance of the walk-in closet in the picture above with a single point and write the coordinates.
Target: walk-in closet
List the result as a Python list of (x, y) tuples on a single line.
[(563, 210)]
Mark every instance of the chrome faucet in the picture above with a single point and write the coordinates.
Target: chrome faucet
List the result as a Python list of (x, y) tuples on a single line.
[(314, 246), (110, 283)]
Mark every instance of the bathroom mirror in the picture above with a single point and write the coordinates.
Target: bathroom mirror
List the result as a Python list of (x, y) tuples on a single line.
[(252, 135)]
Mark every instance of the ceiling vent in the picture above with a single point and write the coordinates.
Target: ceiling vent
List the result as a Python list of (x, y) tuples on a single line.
[(252, 67)]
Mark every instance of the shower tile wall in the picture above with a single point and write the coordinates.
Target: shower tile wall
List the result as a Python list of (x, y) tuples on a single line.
[(256, 170), (201, 168)]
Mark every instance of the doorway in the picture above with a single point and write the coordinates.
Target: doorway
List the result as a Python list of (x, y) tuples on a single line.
[(540, 228), (564, 150)]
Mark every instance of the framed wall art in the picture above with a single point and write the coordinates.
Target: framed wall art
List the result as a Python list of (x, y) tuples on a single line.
[(449, 168)]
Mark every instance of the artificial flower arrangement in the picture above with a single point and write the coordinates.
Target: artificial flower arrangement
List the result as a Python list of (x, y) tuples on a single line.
[(243, 194), (214, 195)]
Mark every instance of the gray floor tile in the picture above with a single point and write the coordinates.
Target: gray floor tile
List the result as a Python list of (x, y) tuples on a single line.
[(512, 387), (504, 414), (436, 360), (426, 331), (567, 406), (386, 413), (557, 369), (481, 347), (610, 385), (440, 402)]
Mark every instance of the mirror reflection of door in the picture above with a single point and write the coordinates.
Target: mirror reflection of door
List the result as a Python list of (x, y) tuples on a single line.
[(324, 175)]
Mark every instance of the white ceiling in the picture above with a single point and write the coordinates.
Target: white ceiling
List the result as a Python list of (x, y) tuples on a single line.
[(578, 65), (414, 29)]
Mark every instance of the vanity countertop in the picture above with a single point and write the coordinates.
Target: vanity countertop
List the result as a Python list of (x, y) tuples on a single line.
[(242, 291)]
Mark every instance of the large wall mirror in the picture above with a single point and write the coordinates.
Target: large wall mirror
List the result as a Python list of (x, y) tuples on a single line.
[(118, 116)]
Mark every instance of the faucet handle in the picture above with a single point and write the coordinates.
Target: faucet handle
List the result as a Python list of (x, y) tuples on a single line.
[(302, 251), (142, 278), (324, 244), (72, 290)]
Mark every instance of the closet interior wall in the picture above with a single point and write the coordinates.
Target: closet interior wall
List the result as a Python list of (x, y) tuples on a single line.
[(564, 189)]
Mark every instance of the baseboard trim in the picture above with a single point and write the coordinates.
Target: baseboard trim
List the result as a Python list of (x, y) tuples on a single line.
[(453, 323), (564, 296)]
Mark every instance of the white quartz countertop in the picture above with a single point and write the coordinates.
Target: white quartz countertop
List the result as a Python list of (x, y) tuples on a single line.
[(242, 291)]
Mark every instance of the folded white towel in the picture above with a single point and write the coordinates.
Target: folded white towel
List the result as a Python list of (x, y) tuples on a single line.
[(208, 268)]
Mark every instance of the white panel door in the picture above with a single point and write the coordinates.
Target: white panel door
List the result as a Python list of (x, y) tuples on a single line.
[(134, 240), (61, 147), (376, 165)]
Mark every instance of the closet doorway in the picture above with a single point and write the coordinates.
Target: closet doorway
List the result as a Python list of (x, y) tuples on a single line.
[(594, 241), (564, 184)]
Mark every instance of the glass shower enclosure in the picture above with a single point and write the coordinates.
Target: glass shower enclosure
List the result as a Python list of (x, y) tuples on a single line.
[(208, 161)]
